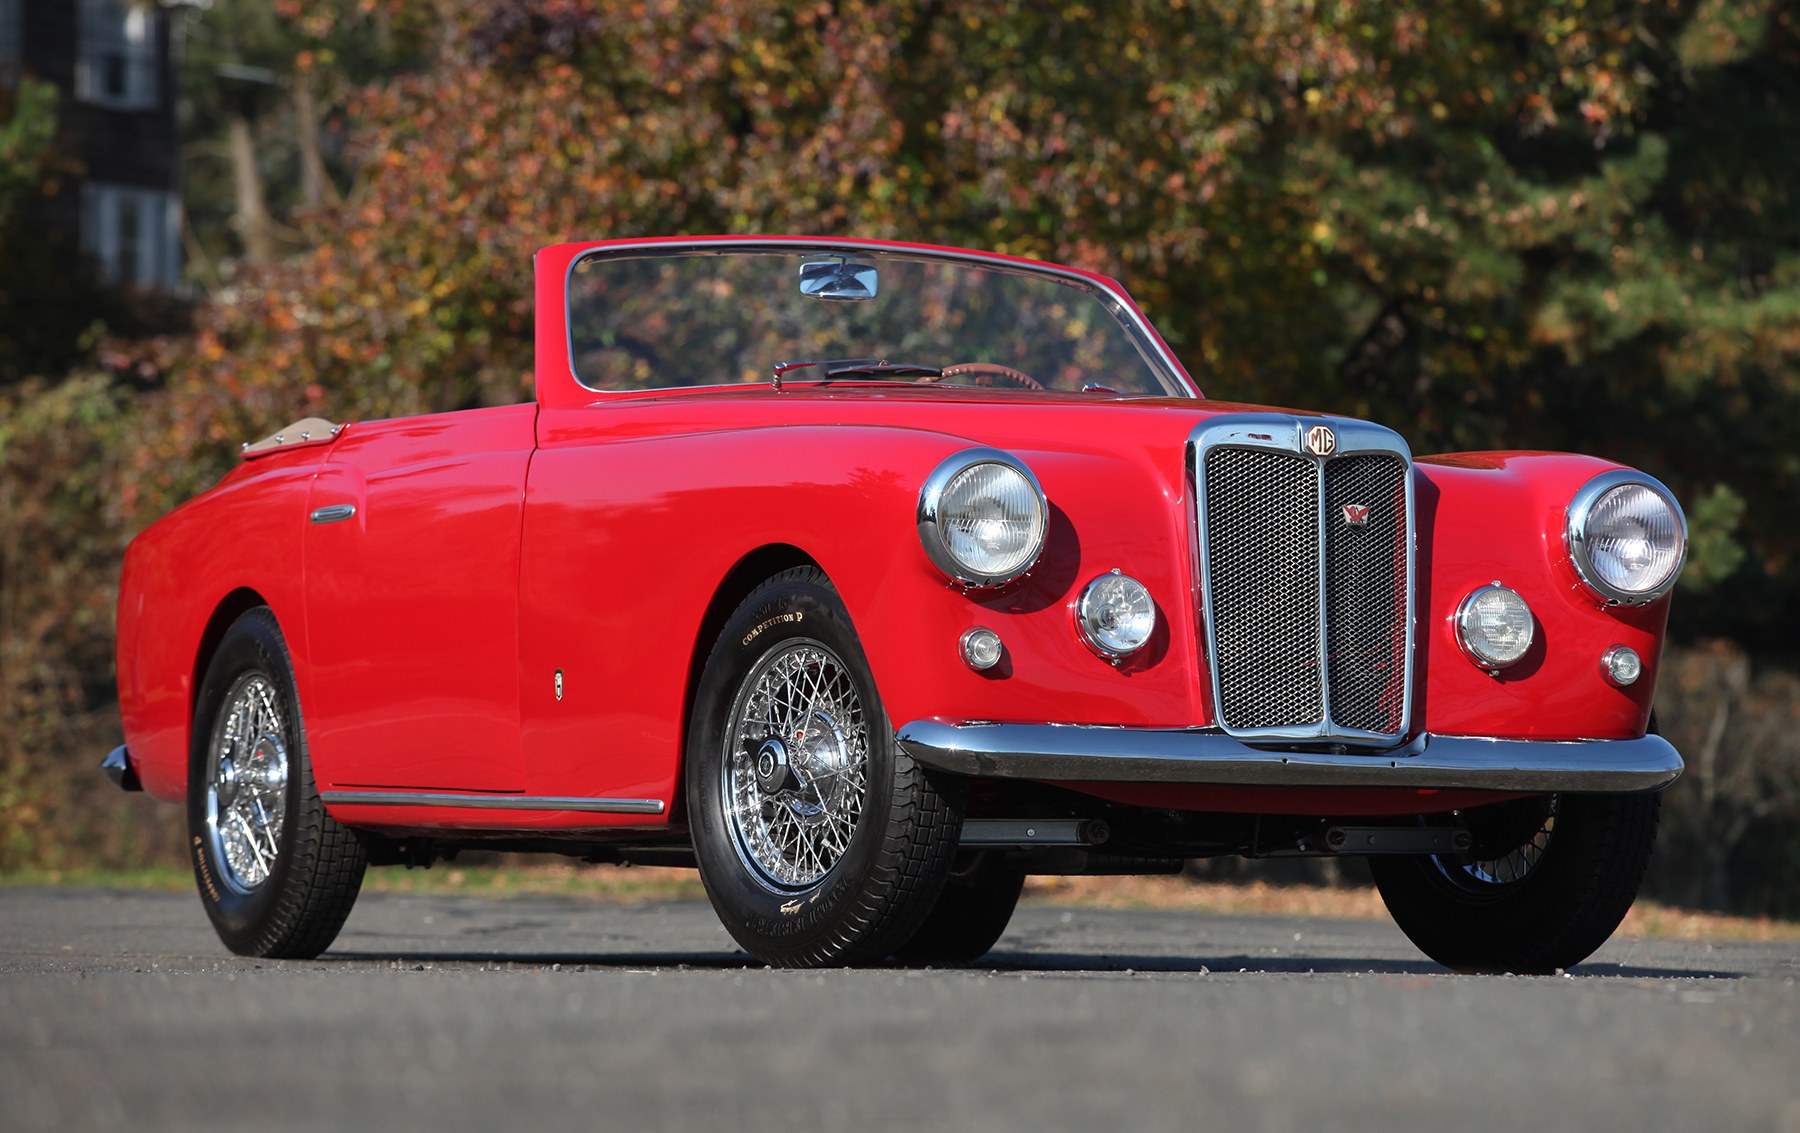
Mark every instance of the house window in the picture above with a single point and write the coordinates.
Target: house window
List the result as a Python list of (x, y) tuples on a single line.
[(12, 36), (117, 64), (133, 233)]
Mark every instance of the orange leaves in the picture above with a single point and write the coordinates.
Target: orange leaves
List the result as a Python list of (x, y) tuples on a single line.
[(1259, 169)]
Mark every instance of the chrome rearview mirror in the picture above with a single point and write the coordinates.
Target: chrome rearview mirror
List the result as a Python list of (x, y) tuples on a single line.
[(840, 280)]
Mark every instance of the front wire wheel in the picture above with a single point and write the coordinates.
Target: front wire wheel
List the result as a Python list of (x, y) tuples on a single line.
[(277, 875), (798, 765), (247, 783), (820, 842), (1509, 844), (1544, 884)]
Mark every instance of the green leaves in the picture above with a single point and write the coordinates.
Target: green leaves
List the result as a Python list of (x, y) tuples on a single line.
[(1714, 552), (27, 125), (1562, 227)]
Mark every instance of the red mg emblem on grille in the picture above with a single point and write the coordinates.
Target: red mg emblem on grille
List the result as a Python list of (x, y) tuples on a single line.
[(1356, 515), (1320, 441)]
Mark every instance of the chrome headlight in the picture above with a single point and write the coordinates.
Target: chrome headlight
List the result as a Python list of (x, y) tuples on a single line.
[(1627, 537), (982, 517)]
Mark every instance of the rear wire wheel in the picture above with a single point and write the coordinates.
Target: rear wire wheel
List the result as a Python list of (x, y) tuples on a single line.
[(1545, 882), (820, 842), (277, 875)]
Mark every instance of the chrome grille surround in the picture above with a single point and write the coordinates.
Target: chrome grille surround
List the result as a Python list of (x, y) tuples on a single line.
[(1308, 623)]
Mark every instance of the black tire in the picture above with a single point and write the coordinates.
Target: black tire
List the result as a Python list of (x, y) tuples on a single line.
[(1531, 897), (970, 915), (796, 890), (275, 885)]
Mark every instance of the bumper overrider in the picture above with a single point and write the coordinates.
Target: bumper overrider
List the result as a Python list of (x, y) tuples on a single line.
[(1081, 752), (117, 766)]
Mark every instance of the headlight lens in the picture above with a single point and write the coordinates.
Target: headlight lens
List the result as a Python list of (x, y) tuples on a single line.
[(1494, 626), (982, 517), (1627, 537), (1116, 615)]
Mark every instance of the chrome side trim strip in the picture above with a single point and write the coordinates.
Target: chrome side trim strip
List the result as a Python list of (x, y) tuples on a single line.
[(1077, 752), (491, 802), (333, 513)]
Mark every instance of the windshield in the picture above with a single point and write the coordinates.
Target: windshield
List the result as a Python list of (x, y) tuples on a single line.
[(654, 320)]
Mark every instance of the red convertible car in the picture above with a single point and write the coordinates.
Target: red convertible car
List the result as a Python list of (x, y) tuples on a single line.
[(870, 578)]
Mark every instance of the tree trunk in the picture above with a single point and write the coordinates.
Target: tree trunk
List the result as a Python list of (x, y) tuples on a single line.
[(254, 229), (315, 184)]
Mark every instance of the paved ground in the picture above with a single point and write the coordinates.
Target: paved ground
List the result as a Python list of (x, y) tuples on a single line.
[(120, 1010)]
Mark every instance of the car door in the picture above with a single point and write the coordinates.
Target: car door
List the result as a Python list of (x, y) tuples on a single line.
[(411, 582)]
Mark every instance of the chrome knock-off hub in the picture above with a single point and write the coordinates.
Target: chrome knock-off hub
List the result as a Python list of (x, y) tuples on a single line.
[(773, 772)]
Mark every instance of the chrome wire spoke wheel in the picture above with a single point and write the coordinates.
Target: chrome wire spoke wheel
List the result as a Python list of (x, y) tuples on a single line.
[(276, 873), (1479, 875), (247, 783), (796, 765), (819, 841)]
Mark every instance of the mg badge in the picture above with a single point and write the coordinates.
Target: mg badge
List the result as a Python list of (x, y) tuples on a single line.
[(1356, 515), (1321, 441)]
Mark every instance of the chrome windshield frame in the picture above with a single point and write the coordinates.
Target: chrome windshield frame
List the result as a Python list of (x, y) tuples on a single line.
[(1114, 300)]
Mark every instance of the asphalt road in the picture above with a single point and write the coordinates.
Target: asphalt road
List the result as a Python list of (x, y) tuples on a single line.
[(122, 1011)]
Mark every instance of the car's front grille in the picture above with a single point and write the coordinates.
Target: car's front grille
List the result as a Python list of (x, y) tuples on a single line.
[(1307, 597), (1262, 524), (1366, 592)]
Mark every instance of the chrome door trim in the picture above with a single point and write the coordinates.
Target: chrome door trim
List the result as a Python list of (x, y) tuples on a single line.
[(492, 802)]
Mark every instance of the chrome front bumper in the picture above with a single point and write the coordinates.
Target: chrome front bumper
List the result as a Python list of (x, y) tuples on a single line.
[(1080, 752)]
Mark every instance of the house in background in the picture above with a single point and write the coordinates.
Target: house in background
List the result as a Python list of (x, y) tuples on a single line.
[(113, 61)]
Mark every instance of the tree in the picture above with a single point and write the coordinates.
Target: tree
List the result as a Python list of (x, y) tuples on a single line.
[(1497, 226), (1488, 224), (264, 87)]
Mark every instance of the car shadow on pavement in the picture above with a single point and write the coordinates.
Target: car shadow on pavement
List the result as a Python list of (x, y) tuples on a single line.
[(709, 961), (1047, 963), (1022, 963)]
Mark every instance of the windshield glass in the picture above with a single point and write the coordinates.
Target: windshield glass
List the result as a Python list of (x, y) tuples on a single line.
[(654, 320)]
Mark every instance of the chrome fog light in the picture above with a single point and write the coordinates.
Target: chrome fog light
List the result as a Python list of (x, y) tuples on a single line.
[(1494, 626), (1116, 615), (981, 648), (982, 517), (1622, 665)]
